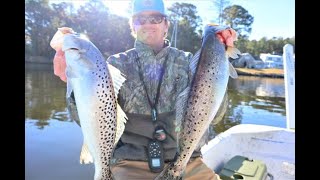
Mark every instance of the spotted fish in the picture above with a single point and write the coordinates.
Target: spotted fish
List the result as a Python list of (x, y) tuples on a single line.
[(94, 84), (204, 96)]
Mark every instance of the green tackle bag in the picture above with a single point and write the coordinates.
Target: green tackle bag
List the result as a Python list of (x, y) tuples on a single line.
[(240, 167)]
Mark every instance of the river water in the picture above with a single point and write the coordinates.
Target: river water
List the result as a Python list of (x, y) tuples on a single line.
[(53, 142)]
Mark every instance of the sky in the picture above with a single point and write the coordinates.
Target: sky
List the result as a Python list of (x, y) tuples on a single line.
[(272, 18)]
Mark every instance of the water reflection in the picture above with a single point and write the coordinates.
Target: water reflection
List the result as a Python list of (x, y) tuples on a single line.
[(259, 92), (255, 100), (44, 95), (258, 86)]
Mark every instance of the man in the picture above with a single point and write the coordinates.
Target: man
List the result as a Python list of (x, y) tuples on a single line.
[(155, 75)]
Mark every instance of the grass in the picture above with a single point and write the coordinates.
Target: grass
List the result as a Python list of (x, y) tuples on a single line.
[(261, 72)]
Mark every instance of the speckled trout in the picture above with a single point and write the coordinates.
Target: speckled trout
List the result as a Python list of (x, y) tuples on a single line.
[(205, 95), (94, 84)]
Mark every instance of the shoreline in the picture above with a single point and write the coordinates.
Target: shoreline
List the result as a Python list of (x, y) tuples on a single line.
[(38, 60), (273, 73)]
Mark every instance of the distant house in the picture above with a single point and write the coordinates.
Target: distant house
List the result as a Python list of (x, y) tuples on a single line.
[(271, 60)]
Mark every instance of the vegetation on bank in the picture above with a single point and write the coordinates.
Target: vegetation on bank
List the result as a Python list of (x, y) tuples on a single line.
[(275, 73)]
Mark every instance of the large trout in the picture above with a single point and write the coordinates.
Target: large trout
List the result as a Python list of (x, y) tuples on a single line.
[(204, 96), (94, 84)]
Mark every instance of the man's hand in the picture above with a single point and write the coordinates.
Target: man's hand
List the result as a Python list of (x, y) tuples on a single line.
[(59, 60)]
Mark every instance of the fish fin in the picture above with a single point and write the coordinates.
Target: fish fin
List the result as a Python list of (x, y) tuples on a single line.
[(233, 52), (69, 89), (72, 109), (121, 120), (232, 71), (180, 105), (194, 61), (85, 156), (221, 111), (117, 78)]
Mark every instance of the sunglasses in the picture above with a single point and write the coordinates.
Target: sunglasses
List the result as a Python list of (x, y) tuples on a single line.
[(152, 19)]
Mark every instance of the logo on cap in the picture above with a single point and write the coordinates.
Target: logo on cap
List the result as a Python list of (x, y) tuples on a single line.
[(147, 3)]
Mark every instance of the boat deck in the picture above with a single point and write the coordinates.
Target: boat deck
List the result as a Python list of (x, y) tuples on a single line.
[(272, 145)]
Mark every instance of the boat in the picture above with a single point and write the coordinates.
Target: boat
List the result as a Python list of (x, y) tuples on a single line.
[(273, 148)]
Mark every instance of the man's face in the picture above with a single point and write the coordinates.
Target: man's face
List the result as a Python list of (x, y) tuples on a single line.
[(150, 27)]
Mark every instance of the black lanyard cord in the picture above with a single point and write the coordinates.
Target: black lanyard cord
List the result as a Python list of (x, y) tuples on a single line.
[(152, 105)]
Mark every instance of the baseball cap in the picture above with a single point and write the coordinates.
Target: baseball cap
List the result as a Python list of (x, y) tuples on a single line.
[(147, 5)]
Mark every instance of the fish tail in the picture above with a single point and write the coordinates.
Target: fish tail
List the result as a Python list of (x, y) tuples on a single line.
[(232, 71)]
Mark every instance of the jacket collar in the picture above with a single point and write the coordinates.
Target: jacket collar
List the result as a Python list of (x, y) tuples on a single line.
[(145, 50)]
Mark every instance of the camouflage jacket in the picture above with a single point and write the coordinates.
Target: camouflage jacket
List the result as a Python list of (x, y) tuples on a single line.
[(133, 98)]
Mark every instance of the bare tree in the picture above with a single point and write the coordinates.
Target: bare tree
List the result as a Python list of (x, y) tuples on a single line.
[(220, 5)]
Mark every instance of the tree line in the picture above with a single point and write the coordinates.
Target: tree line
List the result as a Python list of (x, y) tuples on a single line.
[(111, 33)]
